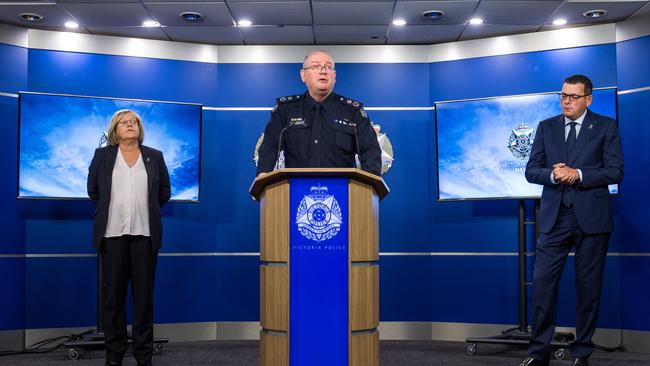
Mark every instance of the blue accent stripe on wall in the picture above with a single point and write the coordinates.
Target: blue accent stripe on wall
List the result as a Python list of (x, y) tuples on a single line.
[(318, 266)]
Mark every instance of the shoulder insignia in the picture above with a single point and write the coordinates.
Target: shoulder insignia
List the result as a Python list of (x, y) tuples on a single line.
[(289, 98), (350, 102)]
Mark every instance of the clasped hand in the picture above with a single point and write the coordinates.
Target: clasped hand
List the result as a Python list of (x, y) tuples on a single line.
[(565, 174)]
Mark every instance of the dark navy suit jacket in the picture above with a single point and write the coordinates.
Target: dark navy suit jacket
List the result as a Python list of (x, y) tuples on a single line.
[(597, 153), (100, 178)]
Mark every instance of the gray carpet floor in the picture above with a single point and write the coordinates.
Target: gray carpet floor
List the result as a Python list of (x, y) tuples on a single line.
[(392, 353)]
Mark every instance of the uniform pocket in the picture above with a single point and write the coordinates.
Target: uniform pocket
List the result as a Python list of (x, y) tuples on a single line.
[(344, 136)]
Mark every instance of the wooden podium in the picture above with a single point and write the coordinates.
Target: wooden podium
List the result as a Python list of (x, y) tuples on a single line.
[(335, 302)]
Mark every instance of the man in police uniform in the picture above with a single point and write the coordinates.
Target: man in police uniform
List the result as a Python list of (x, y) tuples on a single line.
[(319, 129)]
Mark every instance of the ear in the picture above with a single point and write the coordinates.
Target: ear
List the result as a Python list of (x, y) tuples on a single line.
[(302, 75), (588, 100)]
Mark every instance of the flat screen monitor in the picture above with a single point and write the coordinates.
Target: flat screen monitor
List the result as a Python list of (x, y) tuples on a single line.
[(483, 145), (59, 135)]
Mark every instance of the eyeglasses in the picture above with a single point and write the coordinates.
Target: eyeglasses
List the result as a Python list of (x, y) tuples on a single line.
[(572, 97), (314, 68), (126, 122)]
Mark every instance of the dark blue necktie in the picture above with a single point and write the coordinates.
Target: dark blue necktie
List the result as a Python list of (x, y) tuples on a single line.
[(567, 195), (571, 140)]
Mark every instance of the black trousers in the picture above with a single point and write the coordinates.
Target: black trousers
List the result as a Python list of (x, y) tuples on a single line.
[(552, 251), (128, 259)]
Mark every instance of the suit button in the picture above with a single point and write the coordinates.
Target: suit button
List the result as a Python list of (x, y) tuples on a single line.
[(315, 141)]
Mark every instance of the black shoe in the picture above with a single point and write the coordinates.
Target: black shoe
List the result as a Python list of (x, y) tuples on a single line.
[(113, 363), (529, 361), (580, 362)]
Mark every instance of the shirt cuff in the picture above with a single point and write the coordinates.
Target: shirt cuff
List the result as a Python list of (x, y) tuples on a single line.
[(580, 174), (553, 179)]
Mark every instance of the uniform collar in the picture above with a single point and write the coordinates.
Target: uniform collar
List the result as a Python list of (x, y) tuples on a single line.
[(326, 103)]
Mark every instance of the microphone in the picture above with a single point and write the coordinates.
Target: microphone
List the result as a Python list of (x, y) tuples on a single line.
[(356, 140), (277, 156)]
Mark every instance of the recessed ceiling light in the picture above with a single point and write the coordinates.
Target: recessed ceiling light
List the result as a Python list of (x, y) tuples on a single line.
[(432, 14), (244, 23), (191, 16), (476, 21), (31, 17), (559, 21), (71, 25), (399, 22), (150, 24), (596, 13)]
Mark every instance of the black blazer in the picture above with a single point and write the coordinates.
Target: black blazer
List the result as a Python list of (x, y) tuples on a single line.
[(100, 176), (597, 153)]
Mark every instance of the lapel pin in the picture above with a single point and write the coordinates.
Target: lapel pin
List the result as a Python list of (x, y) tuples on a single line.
[(147, 159), (591, 126)]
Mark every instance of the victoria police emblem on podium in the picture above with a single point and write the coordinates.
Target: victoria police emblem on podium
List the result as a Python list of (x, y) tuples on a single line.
[(319, 216)]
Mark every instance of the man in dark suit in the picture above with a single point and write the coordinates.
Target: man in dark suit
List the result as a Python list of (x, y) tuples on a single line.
[(575, 156)]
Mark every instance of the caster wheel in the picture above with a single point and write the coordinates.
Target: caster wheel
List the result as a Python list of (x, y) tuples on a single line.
[(157, 348), (559, 354), (73, 354), (471, 349)]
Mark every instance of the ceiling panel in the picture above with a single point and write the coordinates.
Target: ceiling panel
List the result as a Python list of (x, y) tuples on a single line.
[(424, 34), (207, 35), (278, 35), (456, 12), (53, 16), (516, 12), (350, 34), (494, 30), (136, 32), (353, 12), (108, 15), (214, 13), (618, 11), (272, 13)]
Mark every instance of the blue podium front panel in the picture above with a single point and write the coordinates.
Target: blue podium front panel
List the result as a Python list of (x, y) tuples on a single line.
[(318, 298)]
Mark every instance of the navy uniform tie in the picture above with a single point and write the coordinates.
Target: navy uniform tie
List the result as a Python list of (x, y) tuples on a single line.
[(567, 196)]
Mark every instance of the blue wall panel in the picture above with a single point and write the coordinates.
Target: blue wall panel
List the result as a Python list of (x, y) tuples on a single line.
[(11, 221), (632, 62), (12, 288), (13, 68), (635, 294), (120, 76), (521, 73), (633, 208), (60, 292)]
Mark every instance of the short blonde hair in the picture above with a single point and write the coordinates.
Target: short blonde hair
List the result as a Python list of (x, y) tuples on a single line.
[(112, 126)]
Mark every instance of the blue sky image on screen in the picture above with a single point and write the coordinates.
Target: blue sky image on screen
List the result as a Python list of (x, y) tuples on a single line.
[(474, 161), (59, 134)]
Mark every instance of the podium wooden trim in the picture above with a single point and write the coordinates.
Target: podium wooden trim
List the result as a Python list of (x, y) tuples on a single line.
[(365, 190)]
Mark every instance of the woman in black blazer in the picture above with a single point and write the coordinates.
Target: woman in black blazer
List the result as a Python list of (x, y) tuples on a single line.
[(129, 183)]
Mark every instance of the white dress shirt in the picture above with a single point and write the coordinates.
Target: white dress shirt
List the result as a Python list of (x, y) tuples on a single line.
[(128, 212)]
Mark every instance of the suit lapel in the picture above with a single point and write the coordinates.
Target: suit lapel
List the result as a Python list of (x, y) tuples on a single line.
[(110, 158), (559, 139), (586, 130), (148, 161)]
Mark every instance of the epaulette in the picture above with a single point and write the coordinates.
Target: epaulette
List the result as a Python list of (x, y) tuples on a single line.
[(289, 98), (350, 102)]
